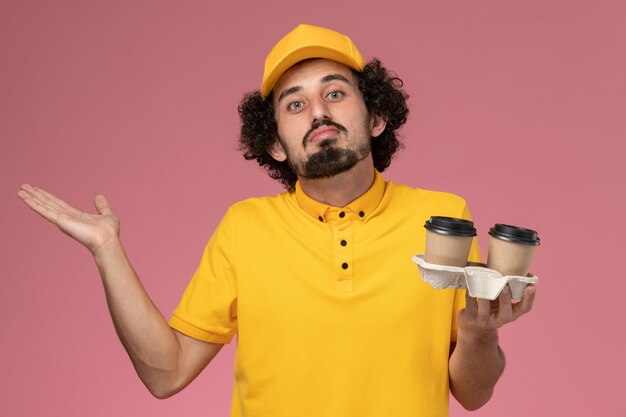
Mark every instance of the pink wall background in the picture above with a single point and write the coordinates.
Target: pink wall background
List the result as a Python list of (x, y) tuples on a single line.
[(137, 100)]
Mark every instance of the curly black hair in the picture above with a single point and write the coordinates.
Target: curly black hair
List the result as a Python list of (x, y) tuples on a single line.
[(383, 95)]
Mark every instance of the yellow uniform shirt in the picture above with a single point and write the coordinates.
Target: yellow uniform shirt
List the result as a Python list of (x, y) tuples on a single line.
[(331, 315)]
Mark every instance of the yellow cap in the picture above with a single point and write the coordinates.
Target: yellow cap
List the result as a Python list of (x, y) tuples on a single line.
[(305, 42)]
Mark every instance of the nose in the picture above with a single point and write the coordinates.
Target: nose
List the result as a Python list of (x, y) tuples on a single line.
[(319, 110)]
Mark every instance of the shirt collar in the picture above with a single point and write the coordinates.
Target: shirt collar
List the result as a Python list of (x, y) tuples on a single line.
[(362, 207)]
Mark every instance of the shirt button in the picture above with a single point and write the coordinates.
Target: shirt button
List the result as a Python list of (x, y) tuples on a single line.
[(344, 265), (321, 218), (361, 213), (343, 242), (342, 214)]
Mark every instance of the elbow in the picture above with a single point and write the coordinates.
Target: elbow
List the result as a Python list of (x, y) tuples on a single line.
[(161, 383), (161, 395), (162, 388), (161, 392), (475, 402)]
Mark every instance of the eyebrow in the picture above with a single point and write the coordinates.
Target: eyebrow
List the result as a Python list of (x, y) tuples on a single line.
[(333, 77), (289, 91), (325, 79)]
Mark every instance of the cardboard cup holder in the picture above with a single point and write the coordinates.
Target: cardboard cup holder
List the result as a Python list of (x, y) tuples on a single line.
[(481, 282)]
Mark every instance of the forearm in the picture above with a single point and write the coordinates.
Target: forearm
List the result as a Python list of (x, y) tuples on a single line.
[(151, 344), (475, 366), (165, 360)]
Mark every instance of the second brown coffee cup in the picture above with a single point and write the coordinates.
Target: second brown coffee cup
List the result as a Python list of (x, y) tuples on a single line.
[(448, 240), (511, 249)]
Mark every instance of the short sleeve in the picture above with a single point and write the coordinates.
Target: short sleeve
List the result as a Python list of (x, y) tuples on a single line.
[(459, 295), (208, 308)]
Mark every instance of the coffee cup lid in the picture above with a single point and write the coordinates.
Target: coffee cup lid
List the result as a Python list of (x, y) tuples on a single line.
[(451, 226), (515, 234)]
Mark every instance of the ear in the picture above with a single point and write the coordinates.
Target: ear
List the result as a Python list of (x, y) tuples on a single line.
[(377, 124), (276, 151)]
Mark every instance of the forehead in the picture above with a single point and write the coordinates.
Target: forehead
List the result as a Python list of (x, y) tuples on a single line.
[(310, 73)]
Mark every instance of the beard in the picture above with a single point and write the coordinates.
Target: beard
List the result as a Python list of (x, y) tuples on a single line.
[(330, 160)]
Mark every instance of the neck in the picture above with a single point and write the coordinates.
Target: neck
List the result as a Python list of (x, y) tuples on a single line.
[(343, 188)]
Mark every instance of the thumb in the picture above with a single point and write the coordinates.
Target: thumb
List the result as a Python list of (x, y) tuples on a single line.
[(102, 205)]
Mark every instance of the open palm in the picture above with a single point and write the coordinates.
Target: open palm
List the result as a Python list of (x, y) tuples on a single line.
[(91, 230)]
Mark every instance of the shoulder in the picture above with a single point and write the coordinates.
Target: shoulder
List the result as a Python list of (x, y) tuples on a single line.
[(257, 207), (424, 196)]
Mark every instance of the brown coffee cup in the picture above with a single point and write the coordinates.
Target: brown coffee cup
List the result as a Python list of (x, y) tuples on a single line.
[(511, 249), (448, 240)]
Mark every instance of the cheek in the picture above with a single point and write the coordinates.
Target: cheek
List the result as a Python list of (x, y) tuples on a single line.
[(355, 115), (293, 129), (358, 126)]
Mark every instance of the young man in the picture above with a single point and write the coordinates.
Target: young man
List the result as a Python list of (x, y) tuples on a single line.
[(331, 316)]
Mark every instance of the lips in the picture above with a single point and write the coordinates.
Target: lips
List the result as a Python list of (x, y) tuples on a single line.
[(323, 132)]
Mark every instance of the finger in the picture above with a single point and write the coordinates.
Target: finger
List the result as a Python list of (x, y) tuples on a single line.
[(494, 306), (505, 308), (39, 207), (26, 187), (484, 309), (35, 193), (45, 197), (524, 306), (54, 200), (25, 191), (470, 304), (102, 205), (23, 194)]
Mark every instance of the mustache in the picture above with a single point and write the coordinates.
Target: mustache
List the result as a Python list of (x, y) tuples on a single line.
[(320, 124)]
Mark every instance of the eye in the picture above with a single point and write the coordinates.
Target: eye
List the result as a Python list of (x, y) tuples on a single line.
[(335, 95), (294, 106)]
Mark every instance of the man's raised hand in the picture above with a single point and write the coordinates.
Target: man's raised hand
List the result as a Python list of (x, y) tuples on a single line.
[(94, 231), (484, 316)]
